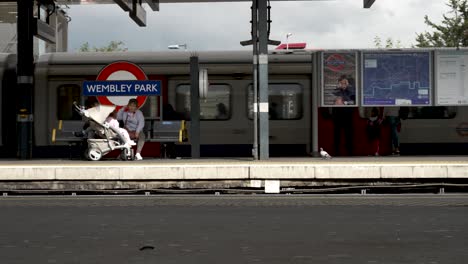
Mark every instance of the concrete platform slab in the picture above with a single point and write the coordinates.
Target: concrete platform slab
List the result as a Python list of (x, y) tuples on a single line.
[(235, 172)]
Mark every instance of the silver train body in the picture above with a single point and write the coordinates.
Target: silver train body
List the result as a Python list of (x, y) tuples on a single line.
[(293, 85)]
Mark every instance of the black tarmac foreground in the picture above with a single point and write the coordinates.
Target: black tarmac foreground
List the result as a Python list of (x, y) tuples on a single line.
[(349, 229)]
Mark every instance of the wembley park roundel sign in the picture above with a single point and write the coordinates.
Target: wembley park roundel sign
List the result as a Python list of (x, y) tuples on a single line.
[(119, 82)]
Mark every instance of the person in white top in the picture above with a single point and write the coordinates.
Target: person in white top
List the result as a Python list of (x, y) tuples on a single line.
[(114, 123), (134, 122), (393, 116)]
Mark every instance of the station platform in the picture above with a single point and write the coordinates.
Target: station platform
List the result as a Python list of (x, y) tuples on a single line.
[(224, 173)]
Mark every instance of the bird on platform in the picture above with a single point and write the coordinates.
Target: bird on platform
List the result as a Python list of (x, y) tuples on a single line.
[(324, 154)]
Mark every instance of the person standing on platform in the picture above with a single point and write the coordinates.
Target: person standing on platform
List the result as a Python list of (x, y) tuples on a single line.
[(343, 121), (392, 114), (374, 130), (134, 122)]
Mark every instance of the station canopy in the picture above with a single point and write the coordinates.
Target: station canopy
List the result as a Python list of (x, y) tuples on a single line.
[(8, 7)]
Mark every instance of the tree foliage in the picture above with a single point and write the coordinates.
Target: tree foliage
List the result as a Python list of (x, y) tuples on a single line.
[(112, 46), (453, 30), (389, 43)]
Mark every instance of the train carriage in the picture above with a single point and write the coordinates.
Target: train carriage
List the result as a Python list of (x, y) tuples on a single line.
[(226, 112), (59, 79)]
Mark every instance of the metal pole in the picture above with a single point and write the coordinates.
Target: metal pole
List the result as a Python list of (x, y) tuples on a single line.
[(255, 77), (263, 78), (25, 71), (194, 107), (316, 85)]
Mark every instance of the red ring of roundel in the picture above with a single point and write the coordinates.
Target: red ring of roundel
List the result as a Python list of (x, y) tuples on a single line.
[(121, 66)]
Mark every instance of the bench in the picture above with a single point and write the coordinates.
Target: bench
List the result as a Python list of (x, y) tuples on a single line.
[(167, 132), (164, 132), (65, 132)]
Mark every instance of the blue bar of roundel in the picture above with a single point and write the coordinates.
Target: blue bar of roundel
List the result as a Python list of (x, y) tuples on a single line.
[(121, 88)]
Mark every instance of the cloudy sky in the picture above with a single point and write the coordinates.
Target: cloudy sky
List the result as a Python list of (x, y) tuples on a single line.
[(220, 26)]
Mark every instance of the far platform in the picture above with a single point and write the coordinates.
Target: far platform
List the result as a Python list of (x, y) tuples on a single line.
[(238, 168)]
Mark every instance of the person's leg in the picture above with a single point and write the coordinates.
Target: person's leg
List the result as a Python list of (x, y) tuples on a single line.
[(141, 142), (397, 134), (171, 150), (394, 132), (377, 146)]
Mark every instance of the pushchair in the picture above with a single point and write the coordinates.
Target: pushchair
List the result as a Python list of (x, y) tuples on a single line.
[(107, 138)]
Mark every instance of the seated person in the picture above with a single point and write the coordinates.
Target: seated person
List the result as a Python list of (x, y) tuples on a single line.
[(134, 122)]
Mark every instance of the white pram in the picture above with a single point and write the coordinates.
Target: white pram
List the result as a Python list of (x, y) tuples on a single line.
[(107, 138)]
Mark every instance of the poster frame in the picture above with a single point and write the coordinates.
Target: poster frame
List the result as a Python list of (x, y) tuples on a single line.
[(436, 76), (430, 72), (356, 73)]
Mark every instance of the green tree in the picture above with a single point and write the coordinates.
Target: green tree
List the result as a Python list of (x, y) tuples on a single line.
[(112, 46), (389, 43), (378, 42), (453, 30)]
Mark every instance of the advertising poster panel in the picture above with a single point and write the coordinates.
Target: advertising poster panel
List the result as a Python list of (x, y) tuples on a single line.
[(339, 78), (451, 69), (396, 78)]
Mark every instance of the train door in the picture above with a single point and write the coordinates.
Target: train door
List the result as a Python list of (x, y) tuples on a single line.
[(289, 115), (223, 125)]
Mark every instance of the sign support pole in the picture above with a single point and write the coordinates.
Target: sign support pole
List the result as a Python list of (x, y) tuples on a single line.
[(25, 72), (194, 107), (316, 85), (255, 79), (263, 79)]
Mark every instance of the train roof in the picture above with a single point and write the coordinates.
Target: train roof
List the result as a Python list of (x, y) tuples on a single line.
[(162, 57), (212, 57)]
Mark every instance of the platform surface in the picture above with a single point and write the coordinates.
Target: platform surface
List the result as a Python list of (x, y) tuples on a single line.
[(238, 169)]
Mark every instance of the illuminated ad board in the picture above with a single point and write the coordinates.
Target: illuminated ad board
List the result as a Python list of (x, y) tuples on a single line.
[(451, 80), (339, 78), (396, 79)]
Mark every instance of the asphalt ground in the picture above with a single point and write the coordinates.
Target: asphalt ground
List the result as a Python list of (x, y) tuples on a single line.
[(349, 229)]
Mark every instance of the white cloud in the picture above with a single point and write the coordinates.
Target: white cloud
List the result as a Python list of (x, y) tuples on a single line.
[(220, 26)]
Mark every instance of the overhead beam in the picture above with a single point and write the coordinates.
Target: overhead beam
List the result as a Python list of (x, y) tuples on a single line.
[(126, 5), (153, 4), (44, 31), (138, 14), (368, 3)]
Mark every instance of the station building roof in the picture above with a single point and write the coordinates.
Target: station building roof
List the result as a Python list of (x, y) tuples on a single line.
[(8, 7)]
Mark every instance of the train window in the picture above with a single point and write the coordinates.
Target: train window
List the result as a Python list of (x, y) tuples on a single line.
[(66, 95), (433, 112), (284, 99), (151, 107), (216, 106)]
